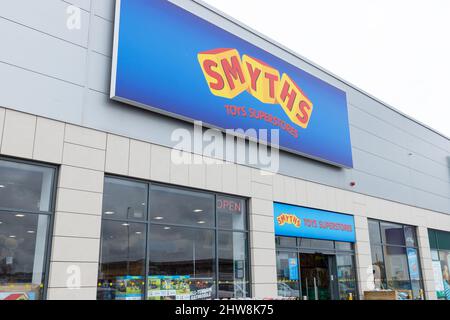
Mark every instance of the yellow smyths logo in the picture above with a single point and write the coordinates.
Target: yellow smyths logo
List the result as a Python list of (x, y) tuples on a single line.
[(289, 219), (228, 76)]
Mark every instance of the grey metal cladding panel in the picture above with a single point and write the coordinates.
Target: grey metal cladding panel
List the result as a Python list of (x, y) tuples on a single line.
[(48, 16), (304, 168), (105, 9), (38, 94), (381, 158), (380, 167), (82, 4), (431, 201), (102, 113), (382, 188), (411, 127), (102, 36), (430, 167), (429, 151), (99, 73), (369, 142), (429, 184), (36, 51), (365, 121)]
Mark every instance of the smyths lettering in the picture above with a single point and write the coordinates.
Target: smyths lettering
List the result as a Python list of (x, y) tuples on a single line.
[(289, 219), (228, 76)]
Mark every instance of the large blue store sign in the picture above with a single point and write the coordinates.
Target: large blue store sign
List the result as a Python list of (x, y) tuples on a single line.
[(294, 221), (171, 61)]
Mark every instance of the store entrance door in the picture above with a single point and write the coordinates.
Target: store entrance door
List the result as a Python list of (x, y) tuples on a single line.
[(318, 276)]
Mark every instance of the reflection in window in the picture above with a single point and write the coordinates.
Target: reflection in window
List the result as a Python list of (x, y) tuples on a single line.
[(124, 199), (182, 263), (444, 257), (379, 273), (233, 273), (25, 193), (410, 237), (180, 206), (374, 231), (288, 274), (347, 246), (23, 239), (396, 259), (184, 255), (392, 233), (25, 187), (230, 213), (322, 244), (288, 242), (346, 276), (122, 265), (396, 265)]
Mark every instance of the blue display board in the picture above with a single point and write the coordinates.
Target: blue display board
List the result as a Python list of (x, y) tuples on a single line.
[(413, 263), (293, 269), (294, 221), (171, 61)]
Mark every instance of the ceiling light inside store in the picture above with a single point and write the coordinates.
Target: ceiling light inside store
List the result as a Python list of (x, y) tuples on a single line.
[(138, 232), (158, 218), (19, 215), (201, 222), (198, 210), (2, 186), (30, 231), (109, 212), (166, 228), (12, 236), (125, 224)]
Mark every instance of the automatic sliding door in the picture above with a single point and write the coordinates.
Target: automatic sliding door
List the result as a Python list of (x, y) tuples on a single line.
[(315, 276)]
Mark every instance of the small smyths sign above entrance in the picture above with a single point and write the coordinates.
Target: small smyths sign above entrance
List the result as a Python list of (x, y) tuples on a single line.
[(293, 221), (169, 60)]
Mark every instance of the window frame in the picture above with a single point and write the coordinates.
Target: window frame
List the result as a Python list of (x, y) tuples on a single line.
[(384, 245), (148, 222), (298, 249), (50, 214)]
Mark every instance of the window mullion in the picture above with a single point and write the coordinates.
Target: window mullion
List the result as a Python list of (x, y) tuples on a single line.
[(147, 244), (216, 246)]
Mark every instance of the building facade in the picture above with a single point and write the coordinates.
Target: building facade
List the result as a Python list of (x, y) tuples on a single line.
[(93, 205)]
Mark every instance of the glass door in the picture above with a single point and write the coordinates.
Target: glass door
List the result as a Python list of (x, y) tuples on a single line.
[(346, 276), (315, 276), (332, 269)]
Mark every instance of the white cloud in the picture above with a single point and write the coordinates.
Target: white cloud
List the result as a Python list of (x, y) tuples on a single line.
[(398, 51)]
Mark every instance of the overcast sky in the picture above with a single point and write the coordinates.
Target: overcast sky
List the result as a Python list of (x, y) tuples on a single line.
[(396, 50)]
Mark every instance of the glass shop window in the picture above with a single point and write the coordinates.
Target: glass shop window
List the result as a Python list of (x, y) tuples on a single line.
[(25, 212), (233, 265), (182, 245), (122, 265), (125, 199), (182, 263), (346, 275), (288, 274), (395, 258), (181, 206)]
